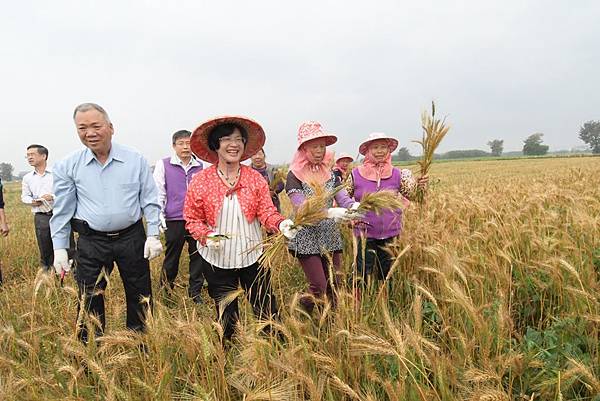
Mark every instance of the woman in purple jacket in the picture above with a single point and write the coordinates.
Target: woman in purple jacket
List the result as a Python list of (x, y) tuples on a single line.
[(376, 231)]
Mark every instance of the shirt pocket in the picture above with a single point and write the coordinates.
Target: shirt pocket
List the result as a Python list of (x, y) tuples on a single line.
[(129, 191), (131, 186)]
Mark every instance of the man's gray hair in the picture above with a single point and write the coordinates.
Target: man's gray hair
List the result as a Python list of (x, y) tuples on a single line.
[(83, 107)]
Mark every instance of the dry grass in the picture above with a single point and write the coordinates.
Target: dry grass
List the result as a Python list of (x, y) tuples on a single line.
[(495, 299)]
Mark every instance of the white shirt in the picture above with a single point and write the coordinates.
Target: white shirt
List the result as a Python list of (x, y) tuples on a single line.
[(33, 186), (244, 247), (159, 176)]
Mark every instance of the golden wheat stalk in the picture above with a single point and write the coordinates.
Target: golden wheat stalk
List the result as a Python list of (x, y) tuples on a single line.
[(278, 178), (379, 202), (434, 130), (309, 213)]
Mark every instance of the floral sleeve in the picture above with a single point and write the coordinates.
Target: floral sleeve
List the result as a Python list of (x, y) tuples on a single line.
[(408, 184)]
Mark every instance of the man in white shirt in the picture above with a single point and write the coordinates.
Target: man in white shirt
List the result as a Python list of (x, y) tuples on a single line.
[(36, 191), (172, 175)]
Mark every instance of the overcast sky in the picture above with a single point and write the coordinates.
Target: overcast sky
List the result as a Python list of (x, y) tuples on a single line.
[(503, 69)]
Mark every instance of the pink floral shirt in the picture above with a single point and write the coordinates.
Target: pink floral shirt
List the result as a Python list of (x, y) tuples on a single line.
[(207, 192)]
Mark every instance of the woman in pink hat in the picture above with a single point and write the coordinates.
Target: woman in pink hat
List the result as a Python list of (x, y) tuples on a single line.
[(376, 231), (225, 206), (313, 245), (342, 166)]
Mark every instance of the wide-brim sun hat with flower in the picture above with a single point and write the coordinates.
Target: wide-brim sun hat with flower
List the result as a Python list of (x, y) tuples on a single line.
[(311, 130), (375, 136), (199, 139)]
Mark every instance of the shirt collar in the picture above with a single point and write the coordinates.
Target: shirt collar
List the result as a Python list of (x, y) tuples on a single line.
[(115, 153), (47, 171), (177, 161)]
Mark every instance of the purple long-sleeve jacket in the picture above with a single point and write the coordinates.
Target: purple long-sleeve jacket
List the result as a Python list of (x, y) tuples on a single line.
[(389, 223)]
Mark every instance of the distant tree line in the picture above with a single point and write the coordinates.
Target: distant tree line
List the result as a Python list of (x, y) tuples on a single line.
[(533, 145), (6, 171)]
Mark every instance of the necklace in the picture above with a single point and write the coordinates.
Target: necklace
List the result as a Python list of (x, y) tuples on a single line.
[(226, 177)]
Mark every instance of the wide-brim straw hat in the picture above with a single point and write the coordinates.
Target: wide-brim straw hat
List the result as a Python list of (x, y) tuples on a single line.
[(344, 155), (375, 136), (311, 130), (199, 139)]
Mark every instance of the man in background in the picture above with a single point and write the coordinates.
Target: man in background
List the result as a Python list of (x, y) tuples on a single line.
[(276, 184), (36, 191), (172, 176)]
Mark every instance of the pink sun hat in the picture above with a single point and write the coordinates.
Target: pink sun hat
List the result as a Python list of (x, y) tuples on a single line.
[(375, 136), (344, 155), (312, 130), (199, 139)]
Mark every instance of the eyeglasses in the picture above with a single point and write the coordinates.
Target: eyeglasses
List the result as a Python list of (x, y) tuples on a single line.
[(227, 139)]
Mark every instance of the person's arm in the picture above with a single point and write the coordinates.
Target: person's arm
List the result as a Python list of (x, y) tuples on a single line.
[(408, 184), (293, 188), (193, 211), (343, 199), (64, 206), (3, 223), (159, 179), (279, 188), (149, 199), (26, 194)]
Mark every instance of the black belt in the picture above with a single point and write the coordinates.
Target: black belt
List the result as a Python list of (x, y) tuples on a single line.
[(45, 213), (82, 227)]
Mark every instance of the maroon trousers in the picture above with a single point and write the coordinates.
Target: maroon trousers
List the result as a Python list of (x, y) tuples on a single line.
[(321, 281)]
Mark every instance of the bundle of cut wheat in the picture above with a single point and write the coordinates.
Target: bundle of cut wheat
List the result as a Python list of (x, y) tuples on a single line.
[(378, 202), (278, 178), (434, 131), (310, 212)]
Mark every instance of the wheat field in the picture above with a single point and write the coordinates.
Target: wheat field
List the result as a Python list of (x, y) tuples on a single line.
[(494, 295)]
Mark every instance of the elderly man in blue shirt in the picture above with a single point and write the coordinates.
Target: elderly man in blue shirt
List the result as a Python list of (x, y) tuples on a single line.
[(101, 192)]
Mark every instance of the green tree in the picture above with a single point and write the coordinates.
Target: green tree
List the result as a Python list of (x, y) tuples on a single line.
[(497, 146), (533, 145), (404, 154), (6, 170), (590, 134)]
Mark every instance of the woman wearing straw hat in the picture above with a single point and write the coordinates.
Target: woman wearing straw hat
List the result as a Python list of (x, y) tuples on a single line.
[(314, 245), (375, 232), (225, 206), (342, 166)]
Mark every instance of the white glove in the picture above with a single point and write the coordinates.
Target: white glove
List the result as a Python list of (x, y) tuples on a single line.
[(214, 244), (152, 248), (61, 261), (355, 206), (337, 213), (286, 229), (163, 223)]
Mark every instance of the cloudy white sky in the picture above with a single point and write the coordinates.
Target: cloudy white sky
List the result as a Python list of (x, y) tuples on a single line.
[(502, 69)]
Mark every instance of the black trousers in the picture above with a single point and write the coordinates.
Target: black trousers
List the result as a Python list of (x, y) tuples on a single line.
[(376, 261), (41, 222), (97, 253), (254, 279), (176, 236)]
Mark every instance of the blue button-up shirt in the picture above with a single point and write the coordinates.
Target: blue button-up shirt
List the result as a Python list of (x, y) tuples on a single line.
[(109, 197)]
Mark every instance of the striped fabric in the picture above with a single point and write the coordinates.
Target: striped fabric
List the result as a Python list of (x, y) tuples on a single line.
[(243, 248)]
